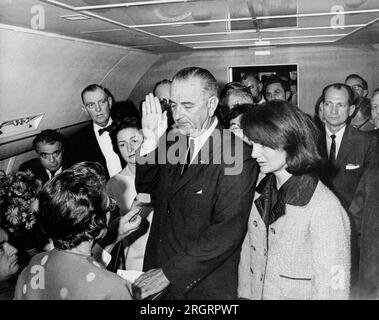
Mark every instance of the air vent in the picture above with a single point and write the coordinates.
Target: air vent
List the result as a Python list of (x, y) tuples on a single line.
[(75, 17)]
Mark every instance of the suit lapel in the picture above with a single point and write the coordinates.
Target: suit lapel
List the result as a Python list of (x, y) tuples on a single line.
[(201, 161), (94, 146), (345, 147)]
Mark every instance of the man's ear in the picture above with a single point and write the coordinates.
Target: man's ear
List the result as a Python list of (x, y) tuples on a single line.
[(212, 105), (365, 92), (321, 108), (110, 101), (351, 111), (288, 95), (260, 86)]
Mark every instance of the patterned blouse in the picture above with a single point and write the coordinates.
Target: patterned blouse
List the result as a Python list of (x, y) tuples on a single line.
[(62, 275)]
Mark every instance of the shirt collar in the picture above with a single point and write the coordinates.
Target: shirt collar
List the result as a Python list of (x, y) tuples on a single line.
[(200, 140), (55, 173), (338, 134), (96, 127)]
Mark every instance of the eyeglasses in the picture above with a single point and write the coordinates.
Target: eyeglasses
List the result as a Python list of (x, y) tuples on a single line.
[(234, 127), (165, 104), (357, 87), (46, 155)]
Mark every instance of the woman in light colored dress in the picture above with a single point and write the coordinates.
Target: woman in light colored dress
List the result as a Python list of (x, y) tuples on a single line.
[(126, 139), (298, 241)]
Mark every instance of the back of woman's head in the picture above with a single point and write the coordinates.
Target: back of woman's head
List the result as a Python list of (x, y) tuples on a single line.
[(277, 124), (72, 206)]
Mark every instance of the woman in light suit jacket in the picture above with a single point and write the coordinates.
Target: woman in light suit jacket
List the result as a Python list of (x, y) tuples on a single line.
[(298, 240)]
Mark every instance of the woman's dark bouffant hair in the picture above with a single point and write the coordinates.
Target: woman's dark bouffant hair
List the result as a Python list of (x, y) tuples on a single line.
[(278, 124), (73, 205), (117, 126)]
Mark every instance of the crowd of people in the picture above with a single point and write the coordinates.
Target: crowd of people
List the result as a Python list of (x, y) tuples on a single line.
[(251, 197)]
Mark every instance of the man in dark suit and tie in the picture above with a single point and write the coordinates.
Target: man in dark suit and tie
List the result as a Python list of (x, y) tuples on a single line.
[(93, 143), (201, 204), (351, 152), (49, 146)]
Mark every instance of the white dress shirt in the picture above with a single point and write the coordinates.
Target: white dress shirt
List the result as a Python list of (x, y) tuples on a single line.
[(198, 141), (55, 173), (105, 143), (201, 139), (338, 139)]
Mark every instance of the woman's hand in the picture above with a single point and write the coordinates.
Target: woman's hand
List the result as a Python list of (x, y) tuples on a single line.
[(128, 223), (120, 228)]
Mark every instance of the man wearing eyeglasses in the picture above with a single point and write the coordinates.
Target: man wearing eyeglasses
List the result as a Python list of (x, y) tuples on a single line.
[(162, 92), (357, 84), (49, 146)]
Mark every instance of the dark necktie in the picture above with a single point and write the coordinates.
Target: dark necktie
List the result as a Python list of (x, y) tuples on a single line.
[(190, 150), (332, 153)]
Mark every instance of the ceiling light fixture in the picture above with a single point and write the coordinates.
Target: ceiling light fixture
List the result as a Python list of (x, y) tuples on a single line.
[(265, 41), (275, 44), (128, 4), (75, 17), (254, 31)]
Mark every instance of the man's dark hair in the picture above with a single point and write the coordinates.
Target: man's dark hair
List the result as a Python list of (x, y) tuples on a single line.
[(340, 86), (164, 81), (250, 75), (238, 110), (278, 124), (363, 105), (48, 136), (229, 89), (94, 87), (316, 115), (210, 85), (73, 205), (276, 79), (357, 76)]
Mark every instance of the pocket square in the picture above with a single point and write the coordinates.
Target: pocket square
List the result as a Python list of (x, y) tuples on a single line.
[(352, 166), (199, 192)]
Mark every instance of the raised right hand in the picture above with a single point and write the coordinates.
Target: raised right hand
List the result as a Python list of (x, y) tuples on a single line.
[(154, 122)]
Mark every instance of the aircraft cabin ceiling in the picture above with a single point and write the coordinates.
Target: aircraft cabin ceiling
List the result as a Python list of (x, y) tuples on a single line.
[(162, 26)]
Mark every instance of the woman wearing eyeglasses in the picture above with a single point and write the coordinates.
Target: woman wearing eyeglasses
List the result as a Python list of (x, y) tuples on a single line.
[(298, 241)]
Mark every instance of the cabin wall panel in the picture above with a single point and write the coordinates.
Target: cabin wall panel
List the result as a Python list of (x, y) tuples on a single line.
[(45, 74), (318, 66)]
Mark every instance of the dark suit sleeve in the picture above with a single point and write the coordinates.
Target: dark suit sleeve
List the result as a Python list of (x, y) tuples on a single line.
[(372, 156), (224, 236), (358, 203), (147, 170)]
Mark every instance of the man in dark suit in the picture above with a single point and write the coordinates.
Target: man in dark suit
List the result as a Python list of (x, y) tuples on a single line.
[(351, 152), (201, 203), (93, 143), (364, 210), (49, 146)]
